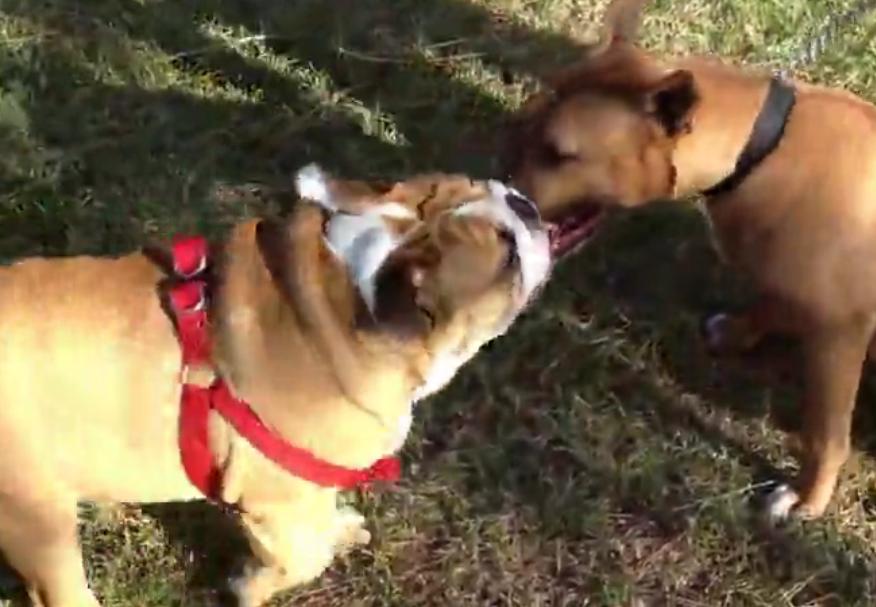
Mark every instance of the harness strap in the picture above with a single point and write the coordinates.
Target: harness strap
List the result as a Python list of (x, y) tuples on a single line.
[(188, 301), (765, 135)]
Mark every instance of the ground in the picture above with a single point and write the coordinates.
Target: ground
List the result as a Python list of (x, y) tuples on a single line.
[(593, 456)]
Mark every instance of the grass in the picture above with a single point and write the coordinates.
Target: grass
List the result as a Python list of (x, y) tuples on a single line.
[(594, 456)]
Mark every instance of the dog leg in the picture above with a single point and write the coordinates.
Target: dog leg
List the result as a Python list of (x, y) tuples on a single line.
[(833, 365), (726, 333), (294, 544), (40, 542)]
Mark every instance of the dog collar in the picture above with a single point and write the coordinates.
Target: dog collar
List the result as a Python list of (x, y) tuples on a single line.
[(765, 135), (188, 302)]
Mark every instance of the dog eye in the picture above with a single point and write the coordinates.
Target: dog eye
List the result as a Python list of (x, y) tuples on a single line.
[(511, 255), (550, 155)]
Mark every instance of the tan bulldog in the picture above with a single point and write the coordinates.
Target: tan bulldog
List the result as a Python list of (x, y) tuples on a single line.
[(788, 173), (330, 324)]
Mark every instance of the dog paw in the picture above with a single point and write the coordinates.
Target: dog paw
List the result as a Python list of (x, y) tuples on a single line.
[(717, 332), (256, 585), (238, 588), (727, 334), (781, 504), (351, 530)]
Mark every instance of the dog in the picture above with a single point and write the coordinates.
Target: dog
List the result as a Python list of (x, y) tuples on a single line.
[(788, 170), (324, 327)]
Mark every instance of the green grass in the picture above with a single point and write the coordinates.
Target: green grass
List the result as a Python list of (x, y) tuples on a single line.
[(594, 456)]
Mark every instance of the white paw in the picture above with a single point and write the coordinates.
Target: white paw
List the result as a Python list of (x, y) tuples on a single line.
[(257, 584), (238, 588), (347, 516), (715, 329), (351, 529), (780, 503)]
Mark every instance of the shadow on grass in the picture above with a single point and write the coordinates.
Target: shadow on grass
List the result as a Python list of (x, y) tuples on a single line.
[(217, 549), (136, 112)]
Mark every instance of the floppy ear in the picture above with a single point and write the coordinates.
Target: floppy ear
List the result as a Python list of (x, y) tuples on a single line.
[(671, 100), (349, 196), (313, 183), (397, 310)]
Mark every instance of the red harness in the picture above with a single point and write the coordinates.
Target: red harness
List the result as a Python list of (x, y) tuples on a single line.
[(188, 300)]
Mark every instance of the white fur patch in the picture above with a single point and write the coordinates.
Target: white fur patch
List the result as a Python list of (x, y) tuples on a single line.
[(394, 210), (444, 367), (403, 427), (362, 242), (312, 183)]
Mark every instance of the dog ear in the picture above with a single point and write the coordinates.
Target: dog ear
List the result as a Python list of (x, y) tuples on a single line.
[(349, 196), (622, 20), (599, 67), (671, 100), (620, 23)]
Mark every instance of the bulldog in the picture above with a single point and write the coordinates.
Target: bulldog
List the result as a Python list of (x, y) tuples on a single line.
[(288, 374), (787, 170)]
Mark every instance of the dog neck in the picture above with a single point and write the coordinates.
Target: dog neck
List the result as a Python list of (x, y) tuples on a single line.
[(730, 101), (286, 339)]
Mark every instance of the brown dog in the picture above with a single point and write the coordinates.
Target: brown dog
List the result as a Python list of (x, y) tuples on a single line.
[(330, 324), (789, 171)]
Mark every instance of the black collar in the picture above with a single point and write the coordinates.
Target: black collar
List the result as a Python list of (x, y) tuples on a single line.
[(765, 135)]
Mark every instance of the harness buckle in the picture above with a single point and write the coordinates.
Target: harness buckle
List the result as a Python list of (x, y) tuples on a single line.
[(199, 375), (189, 256)]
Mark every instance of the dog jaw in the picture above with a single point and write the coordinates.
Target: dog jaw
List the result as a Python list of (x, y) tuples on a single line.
[(532, 244)]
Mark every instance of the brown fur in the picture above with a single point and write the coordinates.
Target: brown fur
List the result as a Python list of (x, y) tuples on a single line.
[(627, 127), (90, 378)]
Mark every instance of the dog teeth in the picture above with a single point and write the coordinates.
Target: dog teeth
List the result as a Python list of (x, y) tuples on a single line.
[(780, 503)]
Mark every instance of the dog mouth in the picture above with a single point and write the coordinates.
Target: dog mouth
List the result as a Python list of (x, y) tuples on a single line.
[(575, 227)]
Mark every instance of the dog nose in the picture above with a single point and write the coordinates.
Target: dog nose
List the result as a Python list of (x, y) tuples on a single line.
[(522, 206)]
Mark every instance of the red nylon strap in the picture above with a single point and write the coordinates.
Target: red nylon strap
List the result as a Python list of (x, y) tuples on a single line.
[(194, 442), (188, 302), (299, 462)]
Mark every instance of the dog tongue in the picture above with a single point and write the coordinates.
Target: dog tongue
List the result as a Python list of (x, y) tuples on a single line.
[(570, 233)]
